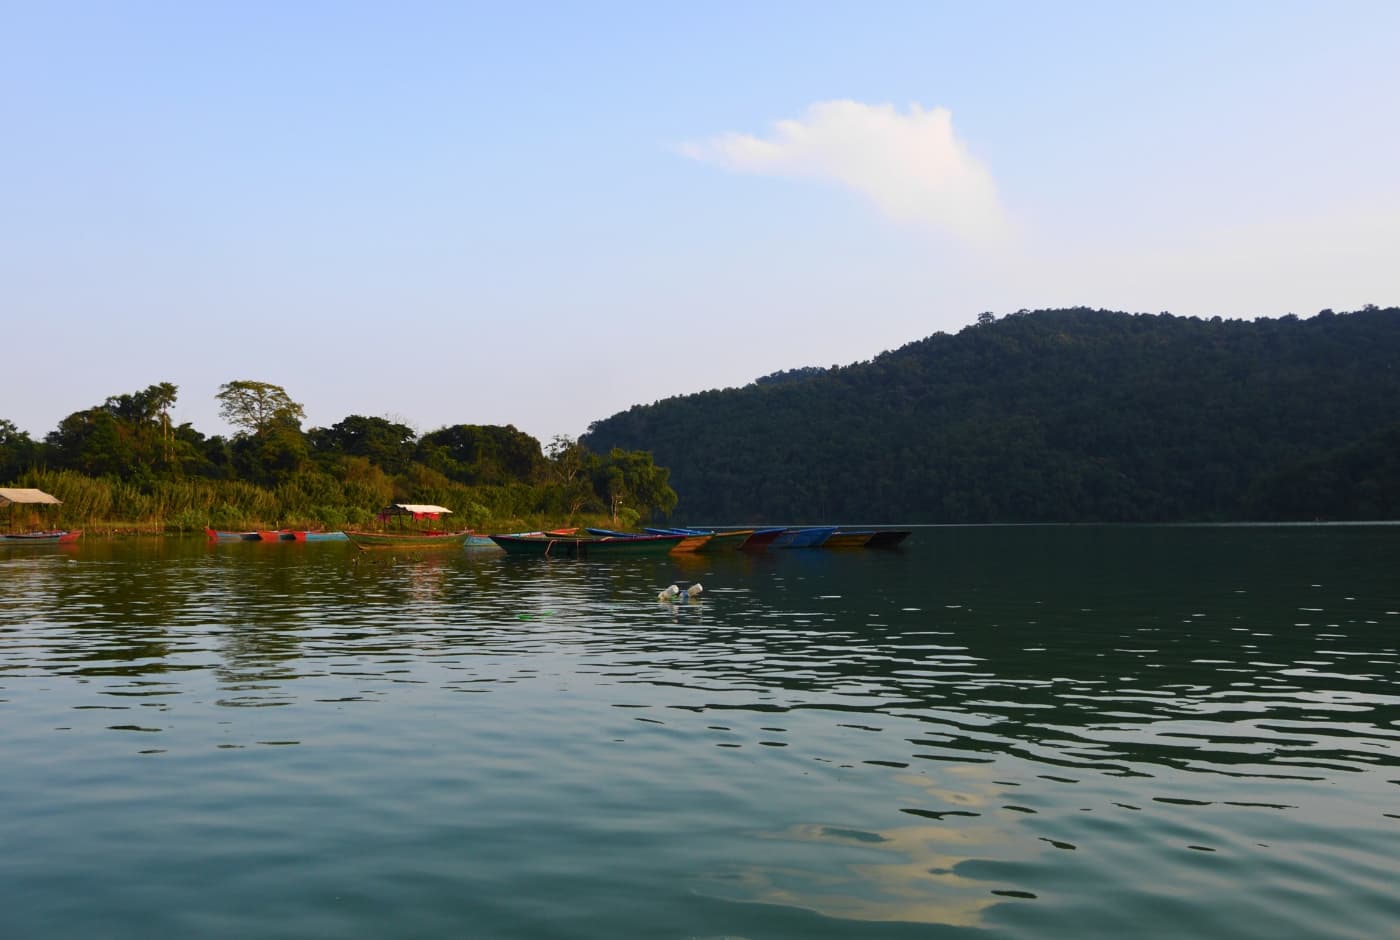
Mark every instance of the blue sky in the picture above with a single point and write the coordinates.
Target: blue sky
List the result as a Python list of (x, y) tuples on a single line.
[(542, 214)]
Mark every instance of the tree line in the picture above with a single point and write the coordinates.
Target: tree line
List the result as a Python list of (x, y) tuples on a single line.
[(124, 459), (1067, 415)]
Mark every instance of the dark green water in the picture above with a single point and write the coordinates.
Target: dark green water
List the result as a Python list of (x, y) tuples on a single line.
[(993, 733)]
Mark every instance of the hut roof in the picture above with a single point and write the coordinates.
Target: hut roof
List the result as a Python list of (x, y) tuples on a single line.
[(12, 496), (414, 509)]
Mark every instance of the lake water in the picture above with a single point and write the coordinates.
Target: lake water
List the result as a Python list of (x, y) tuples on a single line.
[(993, 733)]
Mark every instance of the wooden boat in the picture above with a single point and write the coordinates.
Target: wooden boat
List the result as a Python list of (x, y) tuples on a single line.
[(715, 541), (689, 542), (407, 540), (333, 536), (728, 541), (17, 496), (888, 538), (848, 538), (273, 535), (577, 546), (45, 537), (761, 539), (806, 537), (222, 535)]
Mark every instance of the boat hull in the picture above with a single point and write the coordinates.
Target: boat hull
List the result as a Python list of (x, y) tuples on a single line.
[(405, 540), (811, 537), (574, 547), (321, 536), (761, 539), (888, 538), (221, 535), (726, 541), (710, 541), (848, 539), (50, 537)]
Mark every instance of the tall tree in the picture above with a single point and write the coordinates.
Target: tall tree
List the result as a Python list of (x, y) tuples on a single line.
[(256, 407), (144, 411), (271, 446), (571, 468), (631, 479), (163, 397)]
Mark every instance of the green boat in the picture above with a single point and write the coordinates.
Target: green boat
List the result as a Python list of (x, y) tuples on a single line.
[(406, 537), (573, 546)]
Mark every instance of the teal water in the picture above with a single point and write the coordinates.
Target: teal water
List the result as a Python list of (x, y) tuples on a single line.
[(994, 733)]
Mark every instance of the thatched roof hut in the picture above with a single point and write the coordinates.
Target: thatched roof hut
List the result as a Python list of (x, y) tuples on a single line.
[(22, 497)]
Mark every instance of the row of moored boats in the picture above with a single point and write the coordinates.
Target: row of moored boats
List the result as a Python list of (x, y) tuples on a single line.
[(274, 535), (576, 542), (662, 541)]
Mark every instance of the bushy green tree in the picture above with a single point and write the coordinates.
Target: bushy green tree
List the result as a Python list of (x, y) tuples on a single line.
[(18, 450), (631, 480), (482, 455), (270, 446), (388, 444)]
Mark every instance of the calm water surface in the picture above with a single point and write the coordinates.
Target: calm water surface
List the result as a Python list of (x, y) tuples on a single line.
[(993, 733)]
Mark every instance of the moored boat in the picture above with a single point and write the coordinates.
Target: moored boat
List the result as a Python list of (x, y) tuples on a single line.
[(805, 537), (729, 541), (714, 540), (762, 539), (224, 535), (407, 539), (43, 537), (273, 535), (848, 538), (15, 497), (690, 541), (576, 546)]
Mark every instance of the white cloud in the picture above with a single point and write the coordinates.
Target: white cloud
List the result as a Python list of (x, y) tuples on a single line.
[(912, 166)]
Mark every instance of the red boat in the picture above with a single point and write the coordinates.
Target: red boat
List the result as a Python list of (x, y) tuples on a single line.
[(219, 535)]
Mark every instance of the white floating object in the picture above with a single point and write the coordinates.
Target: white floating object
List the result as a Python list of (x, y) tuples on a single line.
[(694, 590)]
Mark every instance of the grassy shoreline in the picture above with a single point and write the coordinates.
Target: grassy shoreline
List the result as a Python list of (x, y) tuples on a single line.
[(120, 528)]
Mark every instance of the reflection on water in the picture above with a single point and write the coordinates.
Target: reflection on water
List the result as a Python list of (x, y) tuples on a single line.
[(1023, 731)]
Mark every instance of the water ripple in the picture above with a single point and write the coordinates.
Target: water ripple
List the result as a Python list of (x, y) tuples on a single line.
[(964, 734)]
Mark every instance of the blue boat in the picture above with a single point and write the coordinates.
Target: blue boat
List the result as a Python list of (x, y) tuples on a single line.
[(808, 537)]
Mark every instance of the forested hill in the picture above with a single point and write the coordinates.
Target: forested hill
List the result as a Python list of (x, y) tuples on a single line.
[(1053, 416)]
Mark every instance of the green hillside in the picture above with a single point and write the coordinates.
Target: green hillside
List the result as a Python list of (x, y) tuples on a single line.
[(1052, 416)]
